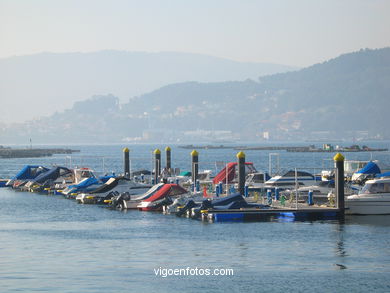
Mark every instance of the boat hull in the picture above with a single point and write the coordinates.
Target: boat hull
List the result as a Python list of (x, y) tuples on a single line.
[(367, 207)]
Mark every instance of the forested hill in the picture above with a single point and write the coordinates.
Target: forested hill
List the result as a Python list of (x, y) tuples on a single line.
[(48, 82), (348, 95)]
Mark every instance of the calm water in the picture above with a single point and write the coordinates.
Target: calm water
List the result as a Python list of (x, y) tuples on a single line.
[(48, 243)]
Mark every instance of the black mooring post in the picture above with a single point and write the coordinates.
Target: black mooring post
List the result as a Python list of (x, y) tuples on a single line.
[(194, 166), (157, 165), (126, 162), (168, 155), (241, 172), (339, 162)]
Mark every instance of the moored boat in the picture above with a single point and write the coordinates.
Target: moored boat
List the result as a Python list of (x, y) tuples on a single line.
[(163, 196), (373, 199), (291, 180), (28, 172), (111, 188)]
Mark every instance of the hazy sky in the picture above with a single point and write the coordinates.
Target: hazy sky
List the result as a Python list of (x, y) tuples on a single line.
[(292, 32)]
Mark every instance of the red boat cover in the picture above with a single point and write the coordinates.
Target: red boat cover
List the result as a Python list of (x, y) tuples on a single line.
[(231, 173), (166, 190)]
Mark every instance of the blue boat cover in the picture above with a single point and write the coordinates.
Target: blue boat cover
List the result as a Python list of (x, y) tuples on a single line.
[(53, 173), (386, 174), (227, 200), (105, 178), (370, 168), (30, 172), (84, 184)]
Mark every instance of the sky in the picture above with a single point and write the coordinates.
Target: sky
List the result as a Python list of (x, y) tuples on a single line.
[(290, 32)]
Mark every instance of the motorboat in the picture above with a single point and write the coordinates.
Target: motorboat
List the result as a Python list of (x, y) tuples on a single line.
[(142, 176), (28, 172), (49, 179), (112, 187), (163, 196), (373, 199), (257, 180), (59, 178), (291, 180), (126, 201), (371, 170), (323, 190), (86, 185), (84, 180), (232, 202), (182, 178)]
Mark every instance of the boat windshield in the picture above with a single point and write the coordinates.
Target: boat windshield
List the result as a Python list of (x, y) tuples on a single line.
[(380, 187)]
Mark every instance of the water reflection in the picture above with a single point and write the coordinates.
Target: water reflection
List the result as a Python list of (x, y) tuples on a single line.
[(340, 247), (375, 220)]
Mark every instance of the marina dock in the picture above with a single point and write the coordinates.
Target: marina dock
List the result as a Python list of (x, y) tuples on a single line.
[(289, 214), (222, 200)]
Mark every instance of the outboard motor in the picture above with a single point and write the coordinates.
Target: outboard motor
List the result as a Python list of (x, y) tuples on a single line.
[(190, 204), (109, 196), (165, 202), (206, 204), (117, 201)]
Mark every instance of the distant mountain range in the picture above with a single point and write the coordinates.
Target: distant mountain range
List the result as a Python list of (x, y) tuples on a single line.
[(37, 85), (346, 97)]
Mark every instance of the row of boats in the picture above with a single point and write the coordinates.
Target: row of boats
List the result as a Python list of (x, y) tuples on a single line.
[(367, 189)]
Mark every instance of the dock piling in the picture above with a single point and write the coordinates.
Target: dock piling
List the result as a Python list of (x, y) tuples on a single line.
[(194, 165), (241, 173), (126, 162), (339, 162), (157, 165), (168, 156)]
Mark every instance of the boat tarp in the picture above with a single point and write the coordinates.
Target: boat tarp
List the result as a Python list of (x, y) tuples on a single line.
[(105, 178), (239, 205), (227, 200), (291, 173), (228, 171), (166, 190), (85, 183), (150, 192), (30, 172), (141, 172), (386, 174), (370, 168), (110, 184), (185, 174), (53, 174)]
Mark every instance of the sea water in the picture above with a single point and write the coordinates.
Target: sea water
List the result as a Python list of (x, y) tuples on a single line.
[(51, 244)]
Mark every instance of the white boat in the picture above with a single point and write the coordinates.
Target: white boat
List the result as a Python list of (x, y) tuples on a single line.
[(256, 180), (184, 178), (291, 180), (373, 199), (153, 195), (113, 186), (78, 175), (131, 202), (323, 190)]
